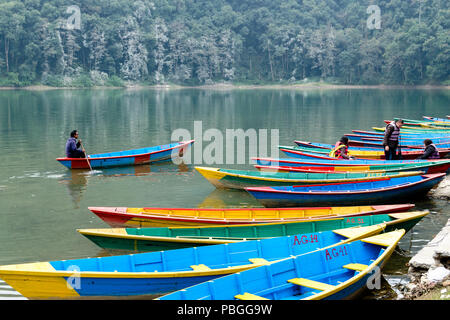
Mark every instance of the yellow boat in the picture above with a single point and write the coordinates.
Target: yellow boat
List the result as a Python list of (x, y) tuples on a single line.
[(167, 217)]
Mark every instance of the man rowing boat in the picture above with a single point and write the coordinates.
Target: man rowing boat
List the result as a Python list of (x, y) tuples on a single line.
[(73, 146)]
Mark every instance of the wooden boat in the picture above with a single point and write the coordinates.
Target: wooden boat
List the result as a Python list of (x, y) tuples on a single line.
[(129, 157), (434, 119), (160, 272), (423, 123), (403, 134), (338, 169), (152, 239), (340, 272), (381, 191), (428, 166), (240, 179), (167, 217), (422, 130), (368, 144), (409, 140), (302, 153)]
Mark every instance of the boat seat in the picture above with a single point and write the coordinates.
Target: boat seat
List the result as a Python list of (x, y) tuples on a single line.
[(311, 284), (200, 267), (249, 296), (258, 261), (356, 266)]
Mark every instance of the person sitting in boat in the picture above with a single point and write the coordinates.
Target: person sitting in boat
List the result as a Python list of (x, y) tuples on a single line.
[(340, 150), (73, 146), (431, 151), (391, 139)]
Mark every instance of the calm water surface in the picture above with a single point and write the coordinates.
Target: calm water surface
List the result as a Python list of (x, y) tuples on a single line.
[(43, 203)]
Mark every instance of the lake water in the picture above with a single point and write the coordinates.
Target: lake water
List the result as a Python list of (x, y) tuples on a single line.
[(43, 203)]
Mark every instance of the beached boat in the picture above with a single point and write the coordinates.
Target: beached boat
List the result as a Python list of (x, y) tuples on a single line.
[(167, 217), (153, 239), (428, 166), (304, 153), (240, 179), (129, 157), (341, 272), (393, 190), (159, 272)]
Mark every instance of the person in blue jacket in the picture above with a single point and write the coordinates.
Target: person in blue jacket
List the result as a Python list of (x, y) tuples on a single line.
[(73, 146)]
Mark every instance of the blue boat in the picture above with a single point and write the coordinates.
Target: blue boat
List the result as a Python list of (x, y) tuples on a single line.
[(356, 193), (128, 157), (341, 272), (366, 155), (155, 273)]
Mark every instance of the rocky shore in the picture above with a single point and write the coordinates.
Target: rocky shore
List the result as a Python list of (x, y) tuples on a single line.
[(429, 270)]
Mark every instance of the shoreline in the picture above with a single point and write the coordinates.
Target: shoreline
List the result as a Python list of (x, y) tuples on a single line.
[(226, 86)]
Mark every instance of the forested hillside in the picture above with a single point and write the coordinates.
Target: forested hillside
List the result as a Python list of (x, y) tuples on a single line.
[(209, 41)]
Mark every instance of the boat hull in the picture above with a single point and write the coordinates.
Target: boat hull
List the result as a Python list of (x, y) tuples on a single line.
[(155, 239), (271, 197), (240, 179), (128, 158), (158, 217)]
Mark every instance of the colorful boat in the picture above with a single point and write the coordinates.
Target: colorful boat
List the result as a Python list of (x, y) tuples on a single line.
[(155, 273), (302, 153), (415, 135), (370, 144), (240, 179), (411, 141), (423, 123), (337, 273), (428, 166), (152, 239), (434, 119), (167, 217), (129, 157), (389, 190), (422, 130)]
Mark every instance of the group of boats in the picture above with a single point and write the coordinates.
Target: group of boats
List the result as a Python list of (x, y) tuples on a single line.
[(325, 226)]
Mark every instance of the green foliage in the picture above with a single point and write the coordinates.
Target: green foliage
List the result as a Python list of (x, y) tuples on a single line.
[(208, 41)]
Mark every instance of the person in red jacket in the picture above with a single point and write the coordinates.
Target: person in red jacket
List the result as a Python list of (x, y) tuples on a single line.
[(340, 149)]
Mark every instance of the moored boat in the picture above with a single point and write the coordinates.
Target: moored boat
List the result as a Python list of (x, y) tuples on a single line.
[(128, 157), (381, 191), (152, 239), (240, 179), (340, 272), (167, 217), (428, 166), (302, 153), (155, 273)]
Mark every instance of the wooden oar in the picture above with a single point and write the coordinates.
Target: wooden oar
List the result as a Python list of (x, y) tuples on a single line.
[(85, 153)]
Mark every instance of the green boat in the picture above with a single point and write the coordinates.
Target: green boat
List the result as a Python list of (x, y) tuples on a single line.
[(240, 179), (156, 239)]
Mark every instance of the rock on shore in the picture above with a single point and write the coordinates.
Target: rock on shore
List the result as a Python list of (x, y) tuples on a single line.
[(430, 267)]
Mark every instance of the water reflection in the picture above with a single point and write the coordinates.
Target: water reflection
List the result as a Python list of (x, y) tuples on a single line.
[(76, 183), (76, 180)]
